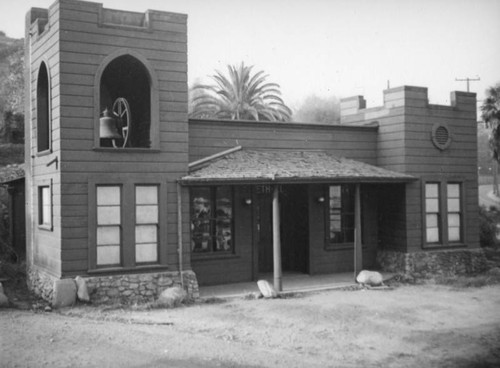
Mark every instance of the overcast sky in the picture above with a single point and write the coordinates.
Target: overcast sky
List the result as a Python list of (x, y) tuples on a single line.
[(332, 47)]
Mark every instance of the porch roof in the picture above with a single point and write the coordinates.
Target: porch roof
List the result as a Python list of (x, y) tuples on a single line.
[(285, 166)]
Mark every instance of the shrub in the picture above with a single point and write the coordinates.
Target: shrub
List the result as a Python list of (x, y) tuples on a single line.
[(488, 219)]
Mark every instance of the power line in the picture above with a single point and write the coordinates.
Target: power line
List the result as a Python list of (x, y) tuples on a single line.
[(468, 80)]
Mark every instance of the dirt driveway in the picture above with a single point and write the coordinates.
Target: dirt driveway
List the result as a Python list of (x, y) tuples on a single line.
[(410, 326)]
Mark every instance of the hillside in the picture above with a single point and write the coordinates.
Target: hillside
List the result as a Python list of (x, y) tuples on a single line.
[(11, 154), (11, 74)]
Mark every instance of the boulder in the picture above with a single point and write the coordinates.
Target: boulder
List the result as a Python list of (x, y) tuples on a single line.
[(171, 297), (64, 293), (266, 289), (82, 291), (370, 278)]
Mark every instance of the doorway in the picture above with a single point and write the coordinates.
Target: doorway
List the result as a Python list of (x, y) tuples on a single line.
[(294, 228)]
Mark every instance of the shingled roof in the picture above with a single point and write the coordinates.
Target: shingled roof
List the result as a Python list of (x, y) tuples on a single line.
[(282, 166), (11, 172)]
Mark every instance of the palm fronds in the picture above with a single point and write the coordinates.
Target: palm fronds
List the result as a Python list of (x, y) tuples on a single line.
[(240, 95)]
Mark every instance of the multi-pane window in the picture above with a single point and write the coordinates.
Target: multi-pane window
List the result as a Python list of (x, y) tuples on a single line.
[(432, 211), (44, 206), (341, 214), (454, 212), (443, 213), (146, 223), (109, 225), (212, 219)]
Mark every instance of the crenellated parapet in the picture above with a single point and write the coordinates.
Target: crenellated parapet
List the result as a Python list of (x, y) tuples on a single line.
[(355, 109)]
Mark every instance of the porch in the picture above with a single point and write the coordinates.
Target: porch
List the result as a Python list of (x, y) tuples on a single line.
[(292, 283), (305, 212)]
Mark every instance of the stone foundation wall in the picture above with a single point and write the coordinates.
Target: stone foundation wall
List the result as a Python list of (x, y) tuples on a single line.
[(433, 263), (144, 287), (41, 283)]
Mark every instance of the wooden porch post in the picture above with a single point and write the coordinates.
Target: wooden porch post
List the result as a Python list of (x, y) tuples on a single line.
[(276, 240), (358, 251)]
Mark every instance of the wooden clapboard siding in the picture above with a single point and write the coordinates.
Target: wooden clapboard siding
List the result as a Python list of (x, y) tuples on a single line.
[(404, 144), (74, 46), (207, 137), (458, 162), (43, 244)]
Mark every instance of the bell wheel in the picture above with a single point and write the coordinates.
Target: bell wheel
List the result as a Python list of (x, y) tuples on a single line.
[(121, 110)]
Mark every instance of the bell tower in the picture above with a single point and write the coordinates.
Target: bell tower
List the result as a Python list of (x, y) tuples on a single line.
[(106, 139)]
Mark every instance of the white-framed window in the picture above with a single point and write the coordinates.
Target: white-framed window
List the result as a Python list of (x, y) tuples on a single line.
[(126, 213), (109, 229), (45, 206), (432, 213), (146, 223), (443, 210), (454, 207)]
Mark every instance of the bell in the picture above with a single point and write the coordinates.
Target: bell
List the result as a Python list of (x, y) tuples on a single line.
[(107, 126)]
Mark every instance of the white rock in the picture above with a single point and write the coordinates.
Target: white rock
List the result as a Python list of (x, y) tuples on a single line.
[(172, 297), (266, 289), (82, 291), (64, 293), (371, 278)]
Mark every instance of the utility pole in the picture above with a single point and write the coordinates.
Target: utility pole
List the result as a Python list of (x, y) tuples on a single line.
[(468, 80)]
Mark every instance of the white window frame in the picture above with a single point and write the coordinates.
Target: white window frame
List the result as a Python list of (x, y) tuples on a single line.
[(128, 183), (45, 210), (107, 223), (444, 212), (151, 221)]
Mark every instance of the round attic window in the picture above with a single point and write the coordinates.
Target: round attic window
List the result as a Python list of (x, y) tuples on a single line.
[(441, 136)]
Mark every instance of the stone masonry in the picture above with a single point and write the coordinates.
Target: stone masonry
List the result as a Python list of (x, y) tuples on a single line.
[(41, 283), (433, 263), (144, 287)]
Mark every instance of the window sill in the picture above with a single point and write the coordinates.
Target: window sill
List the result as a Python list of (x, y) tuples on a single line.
[(113, 270), (341, 246), (213, 256), (45, 227), (127, 150), (44, 153), (444, 246)]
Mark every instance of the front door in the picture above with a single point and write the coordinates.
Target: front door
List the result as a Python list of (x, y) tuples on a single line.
[(294, 228)]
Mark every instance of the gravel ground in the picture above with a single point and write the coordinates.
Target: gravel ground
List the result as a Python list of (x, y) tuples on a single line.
[(407, 326)]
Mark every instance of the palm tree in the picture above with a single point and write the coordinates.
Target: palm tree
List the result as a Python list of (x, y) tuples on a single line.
[(240, 96), (490, 113)]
